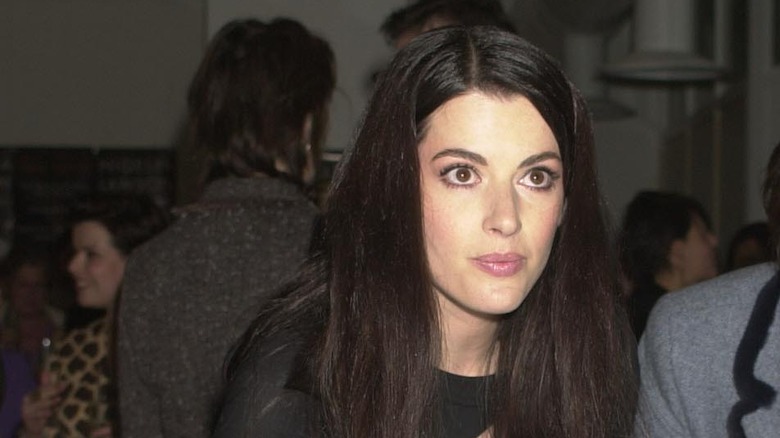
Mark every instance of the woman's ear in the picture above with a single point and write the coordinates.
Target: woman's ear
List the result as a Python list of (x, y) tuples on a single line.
[(307, 175)]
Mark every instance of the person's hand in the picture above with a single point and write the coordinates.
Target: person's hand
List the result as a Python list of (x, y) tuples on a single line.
[(102, 432), (39, 404)]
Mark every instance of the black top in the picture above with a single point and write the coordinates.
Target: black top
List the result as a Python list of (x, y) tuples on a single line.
[(464, 405), (261, 401)]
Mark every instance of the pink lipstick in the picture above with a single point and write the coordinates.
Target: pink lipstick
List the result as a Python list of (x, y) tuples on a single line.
[(500, 265)]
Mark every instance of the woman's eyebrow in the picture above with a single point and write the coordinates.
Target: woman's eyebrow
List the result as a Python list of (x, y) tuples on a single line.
[(461, 153), (536, 158)]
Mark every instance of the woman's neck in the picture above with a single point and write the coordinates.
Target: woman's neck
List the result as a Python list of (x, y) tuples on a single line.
[(468, 343)]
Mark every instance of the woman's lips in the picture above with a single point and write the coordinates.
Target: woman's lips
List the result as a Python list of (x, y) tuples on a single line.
[(500, 265)]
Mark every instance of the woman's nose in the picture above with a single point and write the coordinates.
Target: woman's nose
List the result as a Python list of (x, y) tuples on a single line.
[(502, 215)]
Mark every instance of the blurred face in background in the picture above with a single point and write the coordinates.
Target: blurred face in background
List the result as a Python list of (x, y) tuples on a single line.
[(97, 266), (697, 253), (28, 290), (749, 252)]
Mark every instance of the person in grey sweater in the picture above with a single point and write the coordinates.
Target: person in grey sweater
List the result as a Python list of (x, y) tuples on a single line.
[(258, 102), (710, 357)]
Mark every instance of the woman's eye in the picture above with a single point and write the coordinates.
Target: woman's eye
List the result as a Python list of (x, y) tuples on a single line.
[(538, 179), (460, 176)]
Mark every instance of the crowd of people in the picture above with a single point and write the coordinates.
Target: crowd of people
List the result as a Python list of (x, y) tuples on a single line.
[(460, 279)]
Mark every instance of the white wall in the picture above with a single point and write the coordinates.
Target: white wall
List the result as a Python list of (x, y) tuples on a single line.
[(628, 156), (113, 73), (629, 150), (351, 27), (103, 73)]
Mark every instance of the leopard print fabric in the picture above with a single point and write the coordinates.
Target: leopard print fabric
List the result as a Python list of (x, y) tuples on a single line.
[(80, 360)]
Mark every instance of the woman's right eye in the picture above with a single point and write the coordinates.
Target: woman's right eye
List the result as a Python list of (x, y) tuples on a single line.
[(460, 175)]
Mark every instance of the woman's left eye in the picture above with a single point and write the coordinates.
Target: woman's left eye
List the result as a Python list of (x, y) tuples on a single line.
[(538, 179)]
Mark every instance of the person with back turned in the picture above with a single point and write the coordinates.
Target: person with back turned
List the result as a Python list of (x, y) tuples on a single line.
[(259, 103)]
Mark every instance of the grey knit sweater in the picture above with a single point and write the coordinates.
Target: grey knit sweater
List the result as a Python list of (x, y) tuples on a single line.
[(190, 293), (692, 375)]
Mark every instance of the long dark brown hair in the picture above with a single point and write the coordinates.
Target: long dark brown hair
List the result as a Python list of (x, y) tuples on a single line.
[(564, 365)]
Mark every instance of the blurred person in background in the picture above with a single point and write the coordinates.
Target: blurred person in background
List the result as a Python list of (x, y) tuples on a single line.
[(27, 319), (259, 104), (665, 244), (18, 380), (750, 245), (76, 393), (405, 23)]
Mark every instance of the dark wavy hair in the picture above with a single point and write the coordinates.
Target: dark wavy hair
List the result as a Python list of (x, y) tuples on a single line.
[(652, 221), (757, 232), (564, 362), (254, 89), (130, 218), (771, 198), (415, 16)]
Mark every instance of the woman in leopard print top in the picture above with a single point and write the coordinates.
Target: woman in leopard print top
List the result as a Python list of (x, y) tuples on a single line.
[(75, 397)]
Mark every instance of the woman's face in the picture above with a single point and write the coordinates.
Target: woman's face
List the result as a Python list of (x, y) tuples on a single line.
[(97, 266), (492, 190)]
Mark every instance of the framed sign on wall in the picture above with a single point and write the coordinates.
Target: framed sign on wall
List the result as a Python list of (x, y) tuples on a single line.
[(44, 182)]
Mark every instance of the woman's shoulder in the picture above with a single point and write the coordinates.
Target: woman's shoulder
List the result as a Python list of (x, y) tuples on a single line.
[(257, 397)]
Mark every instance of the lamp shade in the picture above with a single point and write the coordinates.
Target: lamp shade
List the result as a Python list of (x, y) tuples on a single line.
[(664, 35)]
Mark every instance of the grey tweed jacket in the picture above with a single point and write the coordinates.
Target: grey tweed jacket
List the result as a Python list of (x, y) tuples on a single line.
[(687, 360), (191, 292)]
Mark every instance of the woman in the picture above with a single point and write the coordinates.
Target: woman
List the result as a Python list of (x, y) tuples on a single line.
[(464, 288), (73, 399), (259, 104)]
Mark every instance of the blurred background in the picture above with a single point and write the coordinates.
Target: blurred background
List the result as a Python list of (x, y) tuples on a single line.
[(685, 93)]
